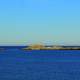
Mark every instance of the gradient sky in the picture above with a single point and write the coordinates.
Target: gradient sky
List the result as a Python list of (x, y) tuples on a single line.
[(39, 21)]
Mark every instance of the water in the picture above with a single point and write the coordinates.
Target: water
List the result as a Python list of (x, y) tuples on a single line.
[(16, 64)]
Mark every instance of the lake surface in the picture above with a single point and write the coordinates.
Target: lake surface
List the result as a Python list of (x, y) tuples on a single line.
[(16, 64)]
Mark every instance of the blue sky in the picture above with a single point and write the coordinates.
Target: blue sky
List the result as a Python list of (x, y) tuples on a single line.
[(39, 21)]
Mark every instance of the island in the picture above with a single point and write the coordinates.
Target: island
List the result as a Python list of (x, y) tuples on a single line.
[(50, 47)]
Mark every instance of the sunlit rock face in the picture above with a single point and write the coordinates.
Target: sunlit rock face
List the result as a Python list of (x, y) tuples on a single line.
[(36, 47)]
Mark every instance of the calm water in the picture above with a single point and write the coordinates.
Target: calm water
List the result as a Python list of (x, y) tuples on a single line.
[(16, 64)]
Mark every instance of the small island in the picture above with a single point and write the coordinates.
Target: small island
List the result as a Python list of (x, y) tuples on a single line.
[(52, 47)]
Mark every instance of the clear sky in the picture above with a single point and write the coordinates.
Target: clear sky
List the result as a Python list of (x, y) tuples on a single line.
[(39, 21)]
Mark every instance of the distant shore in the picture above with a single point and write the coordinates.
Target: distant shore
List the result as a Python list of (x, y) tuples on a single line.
[(54, 47), (41, 47)]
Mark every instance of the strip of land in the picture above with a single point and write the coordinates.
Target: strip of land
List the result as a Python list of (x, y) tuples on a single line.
[(52, 47)]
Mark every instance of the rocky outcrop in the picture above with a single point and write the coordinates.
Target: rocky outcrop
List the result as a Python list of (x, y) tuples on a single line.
[(34, 47), (42, 47)]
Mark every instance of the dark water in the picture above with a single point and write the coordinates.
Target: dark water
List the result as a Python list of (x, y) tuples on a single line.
[(16, 64)]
